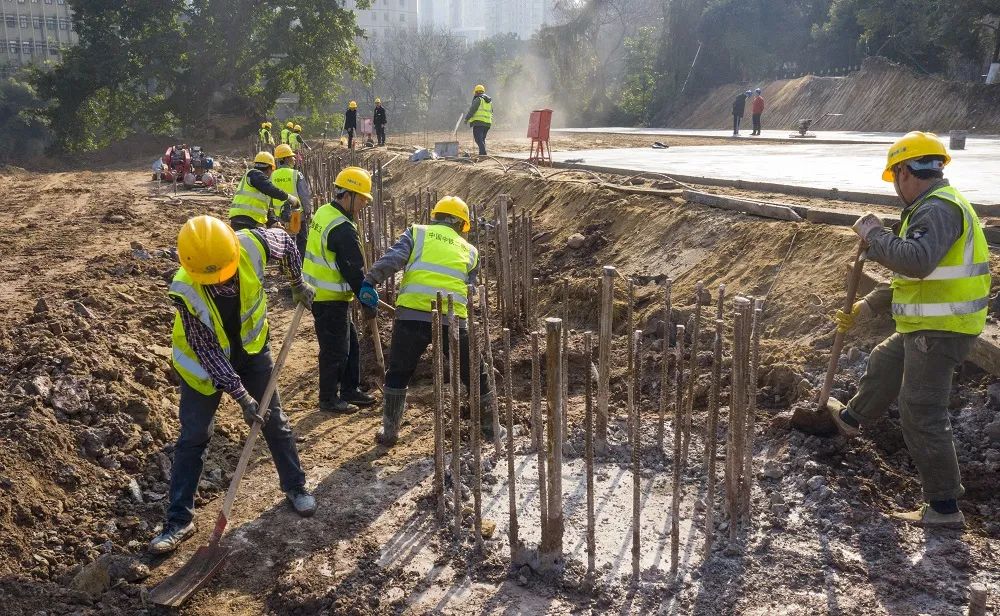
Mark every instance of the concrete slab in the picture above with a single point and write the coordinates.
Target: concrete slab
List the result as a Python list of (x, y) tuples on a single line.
[(822, 136), (822, 167)]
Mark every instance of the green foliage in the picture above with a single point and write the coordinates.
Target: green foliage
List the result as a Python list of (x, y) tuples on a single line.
[(159, 65), (640, 78), (25, 135)]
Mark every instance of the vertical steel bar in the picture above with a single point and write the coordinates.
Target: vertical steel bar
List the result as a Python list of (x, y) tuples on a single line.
[(636, 388), (552, 545), (475, 432), (710, 436), (588, 420), (454, 363), (604, 355), (537, 427), (692, 369), (664, 367), (511, 477), (438, 411), (675, 503)]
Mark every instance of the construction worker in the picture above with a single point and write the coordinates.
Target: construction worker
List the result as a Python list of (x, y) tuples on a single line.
[(289, 179), (739, 108), (756, 110), (252, 201), (938, 298), (379, 119), (295, 139), (220, 344), (480, 116), (287, 131), (334, 265), (434, 257), (265, 139), (351, 122)]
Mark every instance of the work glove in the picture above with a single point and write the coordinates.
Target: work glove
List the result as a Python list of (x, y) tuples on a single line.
[(303, 294), (847, 320), (368, 295), (866, 224), (251, 410)]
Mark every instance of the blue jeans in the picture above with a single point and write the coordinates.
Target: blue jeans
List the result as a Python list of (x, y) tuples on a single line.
[(197, 415), (479, 135)]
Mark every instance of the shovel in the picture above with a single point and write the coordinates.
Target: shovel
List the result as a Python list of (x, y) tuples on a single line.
[(176, 589), (819, 421)]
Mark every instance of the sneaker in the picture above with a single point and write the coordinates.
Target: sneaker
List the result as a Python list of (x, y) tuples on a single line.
[(357, 398), (336, 406), (170, 537), (302, 501), (926, 516), (834, 407)]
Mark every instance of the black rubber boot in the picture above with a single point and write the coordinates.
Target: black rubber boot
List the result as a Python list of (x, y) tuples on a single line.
[(393, 403)]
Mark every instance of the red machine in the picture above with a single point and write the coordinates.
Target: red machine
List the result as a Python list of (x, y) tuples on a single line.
[(190, 165), (538, 131)]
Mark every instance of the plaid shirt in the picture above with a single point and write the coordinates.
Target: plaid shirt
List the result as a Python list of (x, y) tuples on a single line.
[(202, 339)]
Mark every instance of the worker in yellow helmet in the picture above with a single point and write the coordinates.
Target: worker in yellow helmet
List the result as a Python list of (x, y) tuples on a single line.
[(292, 181), (265, 140), (379, 119), (334, 265), (251, 204), (434, 258), (295, 141), (220, 344), (938, 298), (480, 117), (287, 131), (351, 122)]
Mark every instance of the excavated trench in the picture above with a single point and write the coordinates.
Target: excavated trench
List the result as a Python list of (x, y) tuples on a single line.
[(820, 541)]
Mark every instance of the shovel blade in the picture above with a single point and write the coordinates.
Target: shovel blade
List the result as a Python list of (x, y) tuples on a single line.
[(176, 589)]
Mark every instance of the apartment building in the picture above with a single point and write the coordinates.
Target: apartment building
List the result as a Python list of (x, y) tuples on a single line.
[(386, 15), (33, 32)]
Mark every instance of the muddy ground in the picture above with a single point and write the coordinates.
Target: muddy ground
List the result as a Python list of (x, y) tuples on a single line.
[(88, 415)]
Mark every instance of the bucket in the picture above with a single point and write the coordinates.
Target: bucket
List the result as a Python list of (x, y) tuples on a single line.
[(957, 139)]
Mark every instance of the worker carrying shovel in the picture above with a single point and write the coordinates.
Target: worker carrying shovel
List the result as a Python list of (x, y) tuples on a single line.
[(220, 344), (252, 200), (938, 298), (434, 258)]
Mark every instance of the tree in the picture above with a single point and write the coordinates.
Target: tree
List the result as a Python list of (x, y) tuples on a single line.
[(25, 136)]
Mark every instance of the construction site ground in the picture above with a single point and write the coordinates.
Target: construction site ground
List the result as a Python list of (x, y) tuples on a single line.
[(88, 415)]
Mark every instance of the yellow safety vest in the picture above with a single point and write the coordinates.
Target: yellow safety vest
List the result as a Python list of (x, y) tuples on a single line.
[(253, 313), (440, 261), (319, 268), (284, 135), (484, 113), (287, 179), (265, 137), (955, 296), (294, 141), (248, 201)]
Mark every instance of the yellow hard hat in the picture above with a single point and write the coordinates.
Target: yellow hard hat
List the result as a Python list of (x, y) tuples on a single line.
[(352, 105), (356, 180), (263, 124), (455, 207), (912, 145), (289, 124), (283, 151), (267, 125), (264, 158), (298, 128), (479, 89), (378, 101), (208, 249)]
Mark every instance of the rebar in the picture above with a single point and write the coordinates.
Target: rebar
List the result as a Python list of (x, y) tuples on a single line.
[(636, 471), (588, 420), (512, 529), (604, 355), (454, 365), (675, 502)]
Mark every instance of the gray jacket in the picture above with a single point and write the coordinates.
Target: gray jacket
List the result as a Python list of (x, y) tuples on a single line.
[(395, 260)]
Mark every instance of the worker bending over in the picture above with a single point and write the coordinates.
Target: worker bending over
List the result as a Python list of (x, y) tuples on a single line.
[(251, 203), (287, 178), (434, 257), (334, 265), (938, 298), (220, 344), (480, 117)]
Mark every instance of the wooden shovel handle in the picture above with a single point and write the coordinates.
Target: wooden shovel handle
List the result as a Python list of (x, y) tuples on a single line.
[(853, 281)]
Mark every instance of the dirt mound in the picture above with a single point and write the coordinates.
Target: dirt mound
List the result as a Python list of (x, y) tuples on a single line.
[(882, 96)]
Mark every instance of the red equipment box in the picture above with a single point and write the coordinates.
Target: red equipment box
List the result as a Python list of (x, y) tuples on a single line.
[(539, 124)]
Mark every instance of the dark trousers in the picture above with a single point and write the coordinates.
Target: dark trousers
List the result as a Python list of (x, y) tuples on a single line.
[(479, 134), (350, 137), (380, 134), (756, 123), (409, 341), (339, 362), (197, 415), (300, 240), (239, 223), (917, 368), (736, 123)]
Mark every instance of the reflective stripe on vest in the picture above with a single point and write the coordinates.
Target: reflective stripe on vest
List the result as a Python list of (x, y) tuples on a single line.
[(955, 296), (253, 314), (319, 268), (440, 261), (287, 179), (248, 201), (484, 113)]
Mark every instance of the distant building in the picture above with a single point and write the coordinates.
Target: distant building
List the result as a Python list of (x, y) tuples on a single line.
[(521, 17), (33, 31), (386, 15)]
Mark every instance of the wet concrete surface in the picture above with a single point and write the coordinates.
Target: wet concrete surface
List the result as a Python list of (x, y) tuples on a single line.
[(819, 136)]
